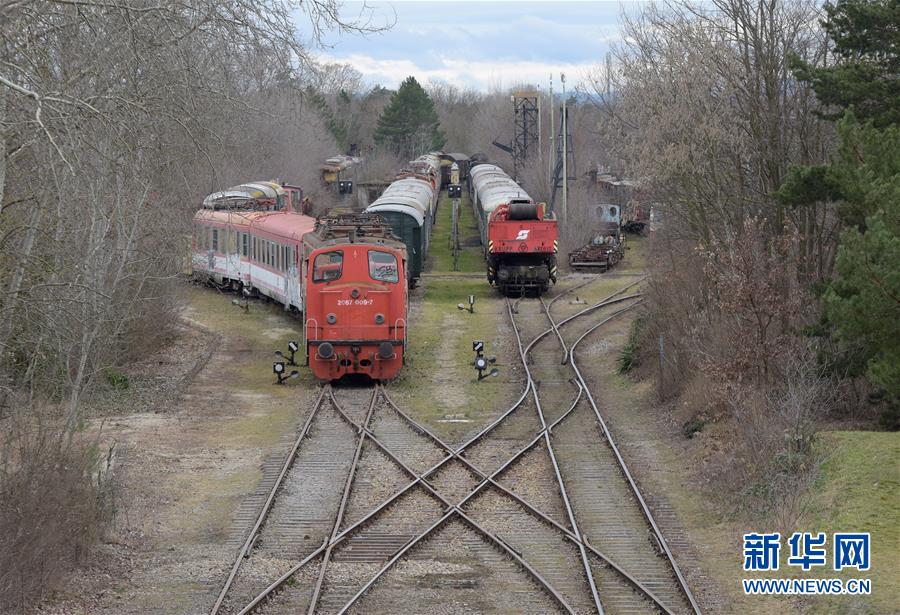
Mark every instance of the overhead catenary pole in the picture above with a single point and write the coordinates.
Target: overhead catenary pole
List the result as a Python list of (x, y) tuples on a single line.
[(540, 135), (565, 144), (552, 137)]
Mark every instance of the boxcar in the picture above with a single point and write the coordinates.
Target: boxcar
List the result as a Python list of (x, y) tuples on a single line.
[(408, 204)]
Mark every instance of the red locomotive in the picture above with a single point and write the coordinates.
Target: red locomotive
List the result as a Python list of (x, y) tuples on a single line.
[(522, 246), (356, 298)]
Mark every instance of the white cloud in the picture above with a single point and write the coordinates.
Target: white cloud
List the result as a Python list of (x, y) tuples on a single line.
[(481, 75)]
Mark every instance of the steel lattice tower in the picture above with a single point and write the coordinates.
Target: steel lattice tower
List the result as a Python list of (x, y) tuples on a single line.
[(525, 141)]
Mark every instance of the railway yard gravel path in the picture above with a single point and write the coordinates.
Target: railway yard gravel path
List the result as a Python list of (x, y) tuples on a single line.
[(357, 507), (375, 513)]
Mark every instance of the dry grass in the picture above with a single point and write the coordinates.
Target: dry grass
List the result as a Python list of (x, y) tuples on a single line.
[(55, 502)]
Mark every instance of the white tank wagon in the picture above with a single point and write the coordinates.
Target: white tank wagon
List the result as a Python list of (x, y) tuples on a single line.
[(491, 187)]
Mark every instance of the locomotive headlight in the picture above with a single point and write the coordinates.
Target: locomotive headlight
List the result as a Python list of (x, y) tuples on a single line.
[(385, 350), (379, 319), (326, 350), (355, 293), (331, 318)]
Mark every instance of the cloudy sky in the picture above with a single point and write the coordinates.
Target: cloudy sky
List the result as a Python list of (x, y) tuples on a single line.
[(478, 44)]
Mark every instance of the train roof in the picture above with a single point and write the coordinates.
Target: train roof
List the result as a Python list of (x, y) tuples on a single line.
[(339, 163), (495, 187), (406, 195), (339, 227), (243, 193), (432, 159), (287, 224), (486, 168), (398, 208)]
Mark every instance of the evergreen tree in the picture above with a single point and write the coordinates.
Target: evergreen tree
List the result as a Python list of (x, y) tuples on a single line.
[(866, 41), (862, 302), (409, 123), (860, 178), (337, 127)]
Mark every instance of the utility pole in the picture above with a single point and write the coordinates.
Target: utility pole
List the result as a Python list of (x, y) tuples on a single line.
[(540, 135), (565, 137), (552, 135), (563, 164)]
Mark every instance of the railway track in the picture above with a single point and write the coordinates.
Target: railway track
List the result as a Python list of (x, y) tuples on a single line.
[(611, 512), (370, 511)]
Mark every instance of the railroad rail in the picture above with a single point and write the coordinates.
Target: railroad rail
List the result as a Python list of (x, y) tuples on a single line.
[(569, 356), (425, 464)]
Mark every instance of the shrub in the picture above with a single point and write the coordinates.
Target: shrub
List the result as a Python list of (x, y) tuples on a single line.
[(54, 504), (693, 426), (117, 379), (629, 358)]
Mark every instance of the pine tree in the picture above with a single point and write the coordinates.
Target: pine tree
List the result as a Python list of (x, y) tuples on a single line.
[(866, 41), (864, 299), (862, 302), (409, 123)]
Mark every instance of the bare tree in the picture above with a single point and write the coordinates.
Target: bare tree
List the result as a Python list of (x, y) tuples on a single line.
[(707, 112), (115, 118), (700, 105)]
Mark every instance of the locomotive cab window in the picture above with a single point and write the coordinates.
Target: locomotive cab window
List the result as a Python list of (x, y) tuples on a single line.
[(383, 267), (327, 266)]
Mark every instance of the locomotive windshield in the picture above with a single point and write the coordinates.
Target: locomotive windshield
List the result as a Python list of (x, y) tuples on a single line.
[(327, 266), (383, 267)]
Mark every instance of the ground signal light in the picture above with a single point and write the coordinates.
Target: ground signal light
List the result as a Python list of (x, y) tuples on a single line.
[(481, 362), (345, 187), (454, 191), (471, 307), (279, 369), (293, 347)]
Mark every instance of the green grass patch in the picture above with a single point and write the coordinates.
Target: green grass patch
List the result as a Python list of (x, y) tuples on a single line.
[(859, 491), (116, 378), (635, 260), (265, 327), (440, 258), (452, 292), (438, 382)]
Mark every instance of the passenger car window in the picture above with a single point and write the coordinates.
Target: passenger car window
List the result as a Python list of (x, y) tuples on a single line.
[(383, 267), (327, 266)]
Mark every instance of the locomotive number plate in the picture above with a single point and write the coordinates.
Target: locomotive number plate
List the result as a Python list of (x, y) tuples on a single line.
[(355, 301)]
